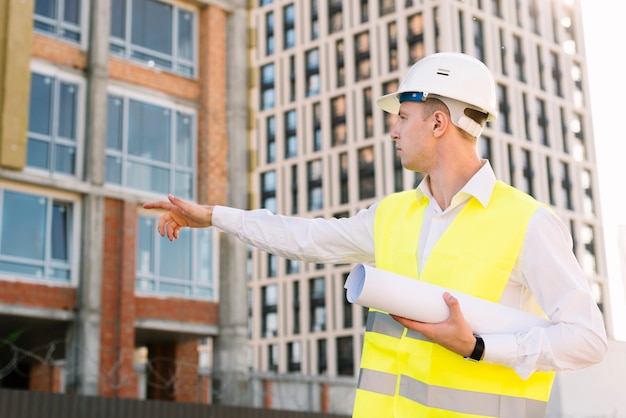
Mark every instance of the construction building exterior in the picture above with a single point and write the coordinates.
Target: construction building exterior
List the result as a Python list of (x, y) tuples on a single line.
[(106, 105)]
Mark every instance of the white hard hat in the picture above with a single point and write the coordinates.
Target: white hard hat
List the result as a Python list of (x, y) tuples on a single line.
[(459, 80)]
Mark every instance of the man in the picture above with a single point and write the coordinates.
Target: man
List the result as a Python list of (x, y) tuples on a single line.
[(461, 229)]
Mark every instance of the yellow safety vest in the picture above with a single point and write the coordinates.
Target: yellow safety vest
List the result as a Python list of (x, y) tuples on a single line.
[(402, 373)]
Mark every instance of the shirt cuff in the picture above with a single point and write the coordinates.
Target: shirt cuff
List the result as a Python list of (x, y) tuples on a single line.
[(226, 219), (500, 349)]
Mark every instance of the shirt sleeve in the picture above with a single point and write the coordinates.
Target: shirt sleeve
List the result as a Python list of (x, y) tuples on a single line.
[(549, 270), (315, 240)]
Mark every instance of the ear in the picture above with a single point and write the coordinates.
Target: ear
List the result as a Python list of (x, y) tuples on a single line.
[(441, 122)]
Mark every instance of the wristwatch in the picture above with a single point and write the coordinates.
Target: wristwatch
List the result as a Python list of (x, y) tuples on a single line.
[(479, 349)]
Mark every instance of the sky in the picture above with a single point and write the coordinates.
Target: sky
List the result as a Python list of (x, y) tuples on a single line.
[(604, 26)]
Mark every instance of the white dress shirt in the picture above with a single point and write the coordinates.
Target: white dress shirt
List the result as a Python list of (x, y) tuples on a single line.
[(546, 269)]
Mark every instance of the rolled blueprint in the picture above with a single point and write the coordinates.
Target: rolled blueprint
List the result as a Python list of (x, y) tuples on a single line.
[(421, 301)]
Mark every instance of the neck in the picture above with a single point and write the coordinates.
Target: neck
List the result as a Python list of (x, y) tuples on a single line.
[(445, 182)]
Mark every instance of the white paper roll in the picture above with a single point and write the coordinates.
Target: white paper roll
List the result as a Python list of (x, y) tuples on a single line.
[(421, 301)]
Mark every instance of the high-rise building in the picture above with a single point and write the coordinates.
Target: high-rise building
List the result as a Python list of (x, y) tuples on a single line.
[(105, 105), (322, 149)]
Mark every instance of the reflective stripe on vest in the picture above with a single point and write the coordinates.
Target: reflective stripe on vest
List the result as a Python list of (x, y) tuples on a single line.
[(402, 372)]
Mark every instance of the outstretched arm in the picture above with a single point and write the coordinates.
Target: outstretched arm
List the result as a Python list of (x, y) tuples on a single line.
[(179, 214)]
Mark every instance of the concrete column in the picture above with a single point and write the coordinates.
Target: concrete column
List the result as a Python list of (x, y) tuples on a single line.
[(231, 381), (16, 33), (83, 378)]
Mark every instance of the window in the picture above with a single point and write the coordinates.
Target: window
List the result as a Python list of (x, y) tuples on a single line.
[(341, 65), (335, 16), (392, 46), (344, 185), (550, 179), (315, 22), (269, 311), (479, 39), (294, 189), (289, 27), (59, 18), (345, 356), (269, 33), (566, 186), (386, 6), (312, 72), (484, 147), (542, 122), (526, 117), (268, 94), (322, 357), (317, 304), (53, 124), (556, 74), (347, 309), (579, 149), (503, 52), (389, 118), (268, 191), (362, 61), (314, 185), (273, 358), (296, 307), (587, 185), (272, 265), (294, 356), (588, 261), (519, 59), (415, 37), (158, 34), (292, 79), (338, 121), (291, 138), (270, 138), (150, 147), (184, 267), (368, 116), (540, 68), (317, 126), (367, 178), (528, 174), (509, 151), (364, 10), (504, 108), (42, 246)]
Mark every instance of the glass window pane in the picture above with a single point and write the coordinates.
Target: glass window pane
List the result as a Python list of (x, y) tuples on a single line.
[(146, 177), (46, 8), (204, 252), (28, 270), (38, 154), (21, 238), (177, 264), (71, 11), (183, 185), (145, 245), (60, 238), (64, 159), (67, 111), (149, 131), (152, 25), (115, 120), (40, 104), (183, 140), (118, 18), (114, 170), (185, 35)]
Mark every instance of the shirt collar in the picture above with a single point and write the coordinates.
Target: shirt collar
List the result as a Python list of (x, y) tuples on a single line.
[(480, 186)]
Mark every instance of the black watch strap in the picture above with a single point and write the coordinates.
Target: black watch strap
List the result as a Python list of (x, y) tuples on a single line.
[(479, 349)]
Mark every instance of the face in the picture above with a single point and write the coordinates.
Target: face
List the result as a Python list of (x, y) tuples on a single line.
[(412, 134)]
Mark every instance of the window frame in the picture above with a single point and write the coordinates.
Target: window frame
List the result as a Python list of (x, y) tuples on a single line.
[(173, 167), (59, 25), (73, 234), (157, 250), (127, 49), (58, 77)]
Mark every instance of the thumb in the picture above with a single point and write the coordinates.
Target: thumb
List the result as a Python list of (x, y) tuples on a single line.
[(453, 304)]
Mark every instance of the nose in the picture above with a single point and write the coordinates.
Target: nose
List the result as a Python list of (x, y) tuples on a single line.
[(393, 134)]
